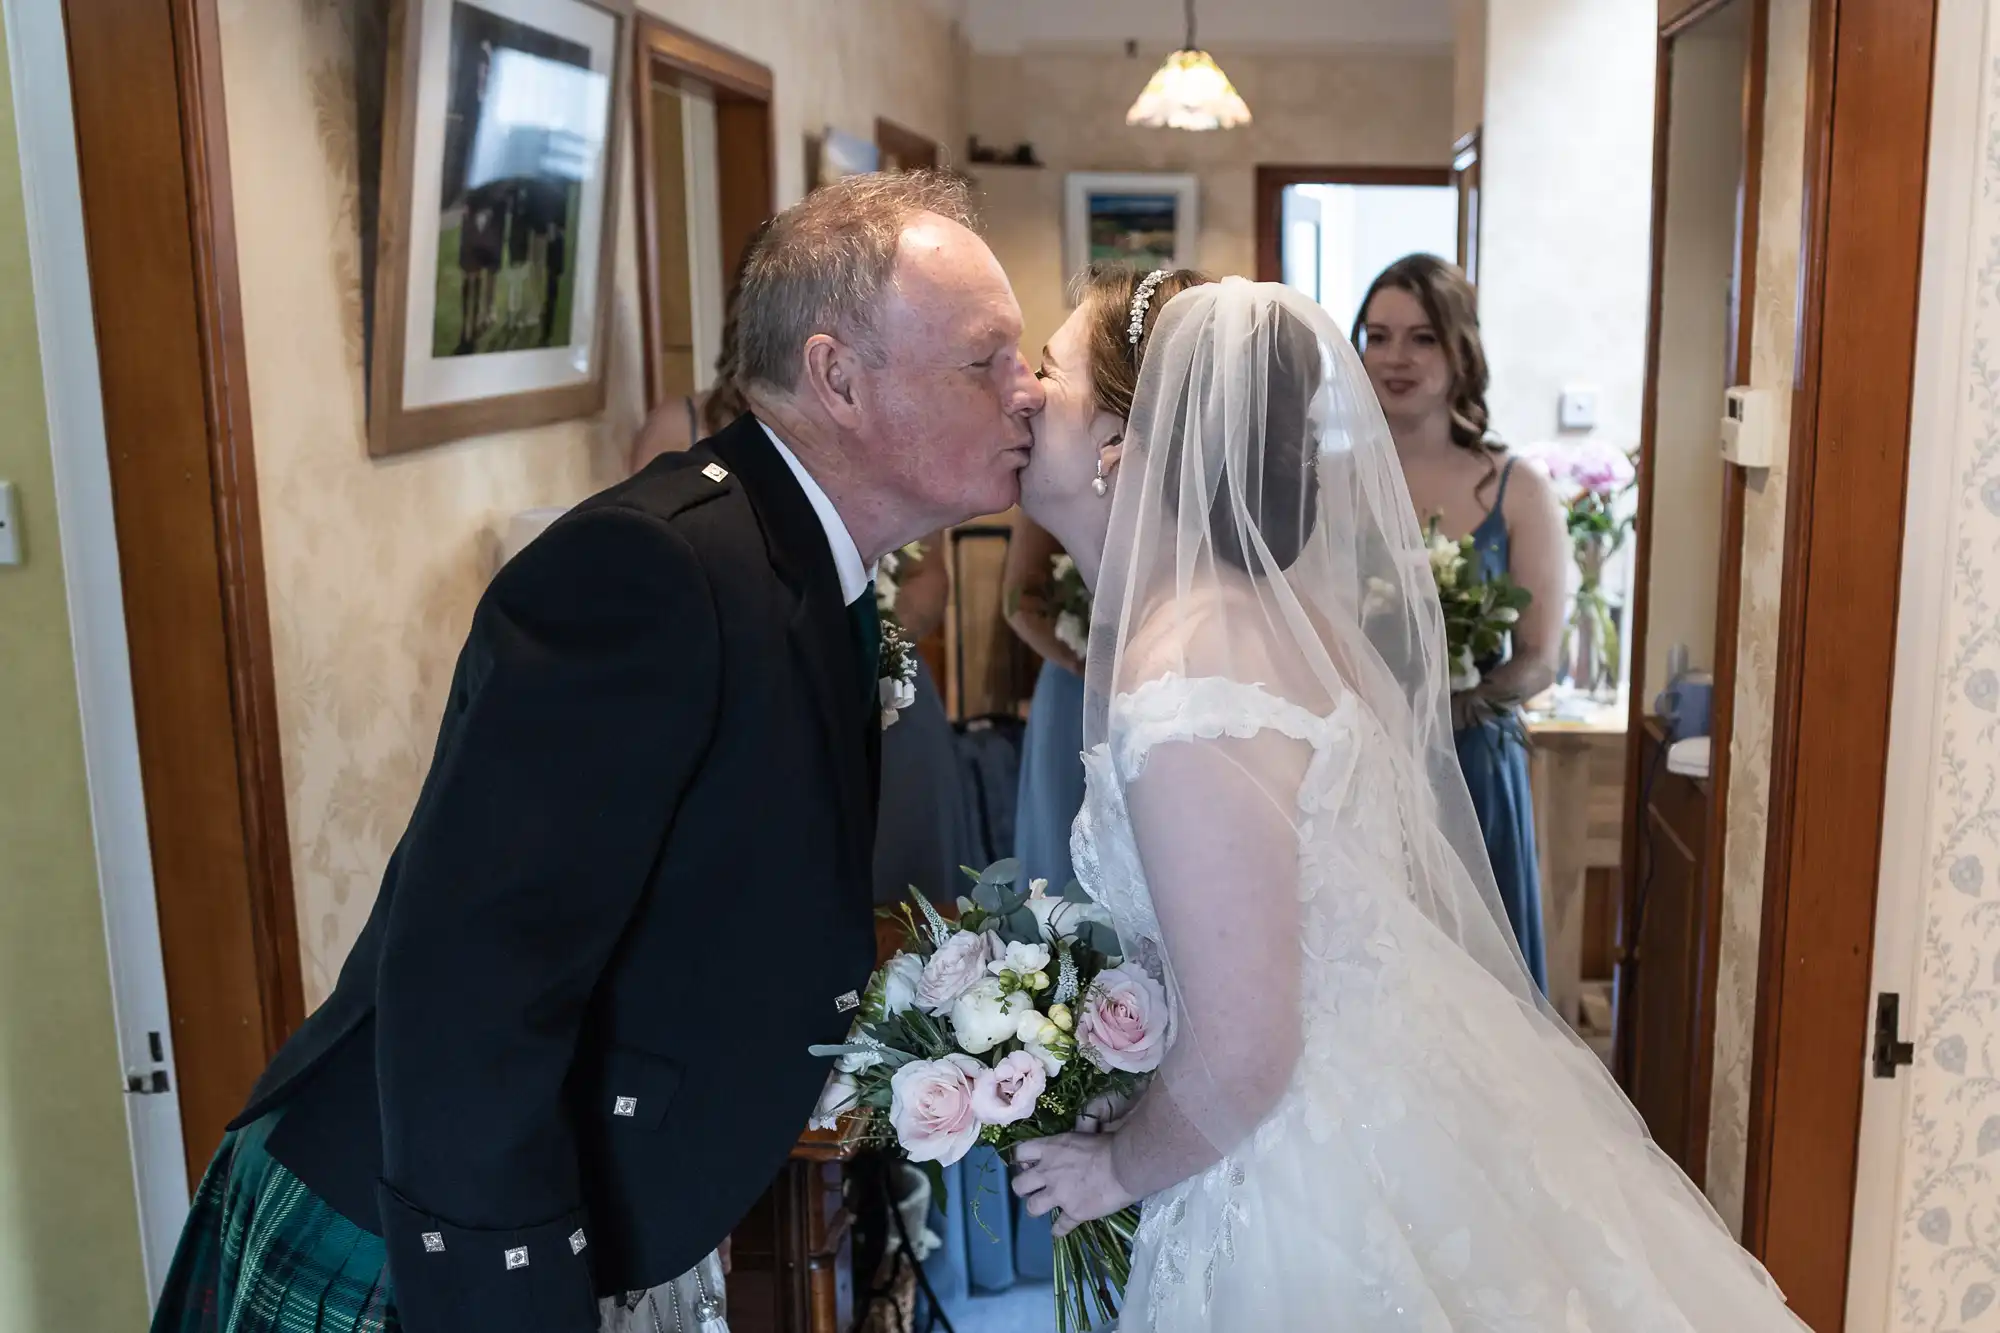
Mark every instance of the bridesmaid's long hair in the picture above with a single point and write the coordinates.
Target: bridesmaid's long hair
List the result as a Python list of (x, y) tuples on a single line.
[(1452, 307), (725, 400)]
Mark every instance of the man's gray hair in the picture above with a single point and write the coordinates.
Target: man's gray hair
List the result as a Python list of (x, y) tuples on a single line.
[(824, 264)]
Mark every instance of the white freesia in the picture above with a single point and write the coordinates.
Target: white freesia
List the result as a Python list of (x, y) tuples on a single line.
[(1447, 558), (1062, 565), (987, 1015), (839, 1097), (1023, 960), (1034, 1027), (900, 978), (1052, 1062)]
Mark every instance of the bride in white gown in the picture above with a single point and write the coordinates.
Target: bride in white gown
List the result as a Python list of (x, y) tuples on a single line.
[(1368, 1120)]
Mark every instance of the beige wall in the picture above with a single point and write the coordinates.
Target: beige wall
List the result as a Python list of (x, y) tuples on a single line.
[(69, 1230), (374, 567), (1566, 180), (1774, 338), (1468, 102), (1341, 107)]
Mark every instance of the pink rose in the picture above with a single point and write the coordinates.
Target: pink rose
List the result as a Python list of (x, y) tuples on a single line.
[(931, 1108), (1123, 1022), (1008, 1092), (954, 969)]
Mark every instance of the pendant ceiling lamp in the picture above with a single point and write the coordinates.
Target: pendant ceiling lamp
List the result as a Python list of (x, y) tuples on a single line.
[(1189, 92)]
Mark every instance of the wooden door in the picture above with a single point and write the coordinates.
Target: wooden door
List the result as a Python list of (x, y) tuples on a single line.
[(159, 231)]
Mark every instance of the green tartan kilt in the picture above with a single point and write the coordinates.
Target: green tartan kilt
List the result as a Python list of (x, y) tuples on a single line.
[(263, 1254)]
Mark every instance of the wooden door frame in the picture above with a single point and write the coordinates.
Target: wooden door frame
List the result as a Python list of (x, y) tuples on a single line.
[(1693, 1154), (1272, 180), (1866, 161), (1465, 174), (747, 171), (159, 224)]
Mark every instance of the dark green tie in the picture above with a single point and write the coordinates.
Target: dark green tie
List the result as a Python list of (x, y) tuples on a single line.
[(867, 621)]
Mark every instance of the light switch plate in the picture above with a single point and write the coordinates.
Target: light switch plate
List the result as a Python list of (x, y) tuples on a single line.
[(1577, 408), (10, 525)]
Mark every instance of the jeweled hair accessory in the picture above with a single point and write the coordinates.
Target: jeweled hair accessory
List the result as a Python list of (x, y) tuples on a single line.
[(1142, 300)]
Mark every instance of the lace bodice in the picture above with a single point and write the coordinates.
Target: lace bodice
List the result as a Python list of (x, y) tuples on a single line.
[(1176, 708)]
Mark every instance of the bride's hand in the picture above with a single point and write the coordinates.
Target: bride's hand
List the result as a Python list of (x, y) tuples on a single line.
[(1071, 1173)]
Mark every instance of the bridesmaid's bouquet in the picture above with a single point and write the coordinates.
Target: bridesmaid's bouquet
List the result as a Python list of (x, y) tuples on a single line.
[(997, 1030), (1070, 600), (1479, 610)]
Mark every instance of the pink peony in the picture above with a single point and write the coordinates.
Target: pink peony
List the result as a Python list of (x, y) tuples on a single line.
[(1008, 1092), (957, 966), (931, 1108), (1123, 1022)]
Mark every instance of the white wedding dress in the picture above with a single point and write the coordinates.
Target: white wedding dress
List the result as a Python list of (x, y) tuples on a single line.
[(1437, 1163), (1368, 1119)]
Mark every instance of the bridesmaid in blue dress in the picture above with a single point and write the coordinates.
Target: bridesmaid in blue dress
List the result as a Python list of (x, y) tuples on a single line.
[(1051, 790), (1418, 334)]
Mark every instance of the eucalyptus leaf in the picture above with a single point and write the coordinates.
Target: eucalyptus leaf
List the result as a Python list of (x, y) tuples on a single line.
[(1073, 892), (1023, 928), (987, 897), (935, 1174), (1001, 872)]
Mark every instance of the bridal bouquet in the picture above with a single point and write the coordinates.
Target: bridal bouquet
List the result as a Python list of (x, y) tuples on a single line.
[(1070, 600), (898, 686), (997, 1030), (1479, 611)]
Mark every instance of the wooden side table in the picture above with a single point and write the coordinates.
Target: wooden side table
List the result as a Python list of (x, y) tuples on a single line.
[(790, 1269), (1577, 772)]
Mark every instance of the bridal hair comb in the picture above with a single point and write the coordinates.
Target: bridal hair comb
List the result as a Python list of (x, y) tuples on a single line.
[(1142, 300)]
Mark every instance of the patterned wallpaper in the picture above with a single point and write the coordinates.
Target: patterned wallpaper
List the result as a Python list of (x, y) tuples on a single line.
[(1773, 339), (374, 567), (1948, 1247)]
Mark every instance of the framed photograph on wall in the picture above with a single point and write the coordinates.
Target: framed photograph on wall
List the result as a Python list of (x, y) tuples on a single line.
[(494, 254), (833, 154), (1148, 221)]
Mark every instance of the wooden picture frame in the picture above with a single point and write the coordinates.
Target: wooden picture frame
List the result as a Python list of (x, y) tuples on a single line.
[(1094, 196), (540, 272)]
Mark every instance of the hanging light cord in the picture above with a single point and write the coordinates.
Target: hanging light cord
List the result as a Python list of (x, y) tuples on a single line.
[(1190, 27)]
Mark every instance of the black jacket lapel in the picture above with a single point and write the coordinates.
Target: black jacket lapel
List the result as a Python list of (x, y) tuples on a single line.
[(821, 637)]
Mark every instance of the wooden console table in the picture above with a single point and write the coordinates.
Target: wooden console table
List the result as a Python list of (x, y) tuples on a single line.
[(790, 1269)]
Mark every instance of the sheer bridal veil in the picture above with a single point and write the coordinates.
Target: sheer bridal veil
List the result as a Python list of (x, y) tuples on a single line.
[(1261, 535)]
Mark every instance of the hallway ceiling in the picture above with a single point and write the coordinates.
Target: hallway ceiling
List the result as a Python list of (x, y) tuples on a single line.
[(1009, 25)]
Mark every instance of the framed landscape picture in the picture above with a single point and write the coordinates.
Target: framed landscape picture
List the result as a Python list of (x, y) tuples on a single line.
[(493, 262), (1148, 221)]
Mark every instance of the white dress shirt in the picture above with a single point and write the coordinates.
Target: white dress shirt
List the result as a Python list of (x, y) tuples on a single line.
[(854, 576)]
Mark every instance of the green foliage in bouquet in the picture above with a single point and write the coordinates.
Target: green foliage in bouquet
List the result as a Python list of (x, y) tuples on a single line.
[(1480, 611)]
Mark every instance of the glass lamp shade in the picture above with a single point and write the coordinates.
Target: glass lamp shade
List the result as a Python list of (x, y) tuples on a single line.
[(1189, 92)]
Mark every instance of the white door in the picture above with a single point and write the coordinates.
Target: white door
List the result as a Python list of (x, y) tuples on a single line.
[(38, 57), (1957, 147)]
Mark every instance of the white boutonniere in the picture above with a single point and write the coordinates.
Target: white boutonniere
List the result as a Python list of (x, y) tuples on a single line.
[(897, 688)]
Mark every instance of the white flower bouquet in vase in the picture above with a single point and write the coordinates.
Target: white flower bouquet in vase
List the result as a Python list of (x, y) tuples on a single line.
[(999, 1030)]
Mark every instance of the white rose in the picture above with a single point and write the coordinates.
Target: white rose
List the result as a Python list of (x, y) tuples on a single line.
[(1062, 565), (900, 979), (1071, 633), (987, 1015), (1023, 960), (953, 970), (838, 1098)]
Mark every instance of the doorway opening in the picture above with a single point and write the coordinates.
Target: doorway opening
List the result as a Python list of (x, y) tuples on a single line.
[(1327, 231)]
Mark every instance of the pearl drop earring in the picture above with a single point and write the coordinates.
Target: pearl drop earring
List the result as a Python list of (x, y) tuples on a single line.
[(1100, 485)]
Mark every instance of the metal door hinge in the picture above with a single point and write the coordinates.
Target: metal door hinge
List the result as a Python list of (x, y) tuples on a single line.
[(1890, 1053), (155, 1080)]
